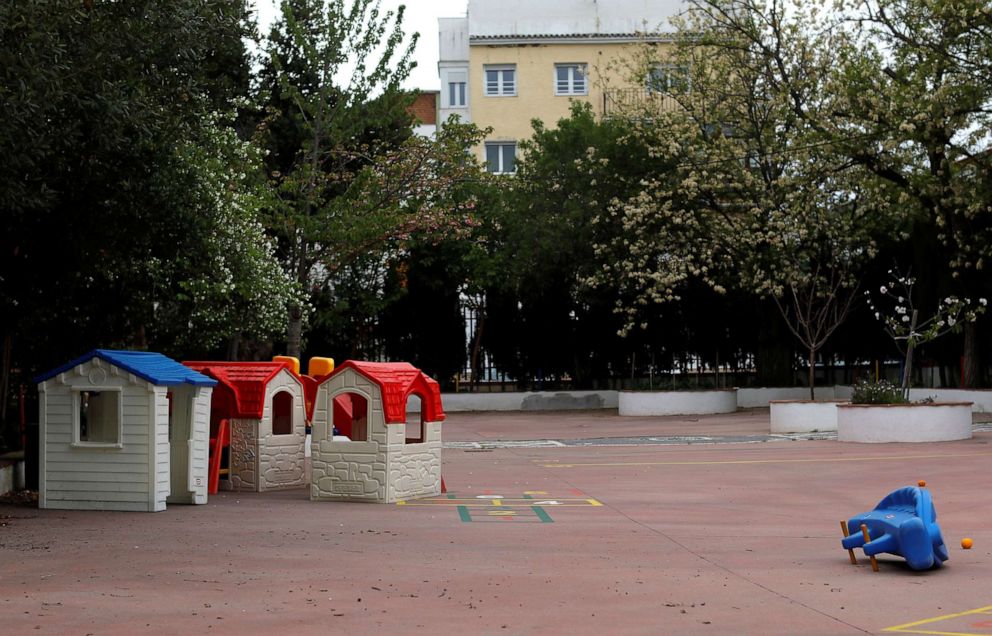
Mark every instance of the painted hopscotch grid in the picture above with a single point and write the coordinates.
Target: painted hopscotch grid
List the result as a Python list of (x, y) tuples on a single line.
[(493, 508), (960, 624)]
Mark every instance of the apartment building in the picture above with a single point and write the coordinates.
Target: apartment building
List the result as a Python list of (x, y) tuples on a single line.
[(507, 62), (424, 111)]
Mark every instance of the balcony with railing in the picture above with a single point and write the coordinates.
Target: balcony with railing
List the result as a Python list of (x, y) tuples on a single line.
[(625, 102)]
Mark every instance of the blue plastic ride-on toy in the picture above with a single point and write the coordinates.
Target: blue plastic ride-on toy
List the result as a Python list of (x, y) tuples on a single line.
[(903, 524)]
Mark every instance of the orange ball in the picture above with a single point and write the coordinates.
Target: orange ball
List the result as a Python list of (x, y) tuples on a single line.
[(921, 483), (966, 543)]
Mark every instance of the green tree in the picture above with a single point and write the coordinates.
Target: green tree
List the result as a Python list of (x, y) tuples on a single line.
[(104, 103), (333, 75), (412, 207), (553, 211), (423, 323)]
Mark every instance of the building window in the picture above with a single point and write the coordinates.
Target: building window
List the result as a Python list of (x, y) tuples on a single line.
[(501, 157), (456, 94), (97, 418), (501, 81), (668, 78), (570, 79), (282, 413)]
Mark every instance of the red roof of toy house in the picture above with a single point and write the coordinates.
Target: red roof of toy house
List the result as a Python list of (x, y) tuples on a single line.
[(397, 381), (247, 380)]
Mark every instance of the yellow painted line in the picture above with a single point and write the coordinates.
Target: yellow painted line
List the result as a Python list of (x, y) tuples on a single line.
[(761, 461), (502, 513), (908, 627), (523, 503), (535, 492), (497, 502), (487, 502)]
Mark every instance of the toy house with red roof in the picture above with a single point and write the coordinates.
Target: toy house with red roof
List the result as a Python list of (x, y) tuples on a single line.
[(381, 453), (264, 405)]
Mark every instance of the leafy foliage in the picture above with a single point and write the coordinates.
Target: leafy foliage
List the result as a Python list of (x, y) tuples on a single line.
[(881, 392), (798, 148), (908, 329), (350, 180), (543, 244), (101, 208)]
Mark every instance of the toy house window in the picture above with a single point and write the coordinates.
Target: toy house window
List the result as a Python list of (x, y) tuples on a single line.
[(282, 413), (414, 419), (351, 416), (97, 418)]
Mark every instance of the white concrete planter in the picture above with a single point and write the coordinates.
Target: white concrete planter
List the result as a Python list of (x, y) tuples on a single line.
[(803, 416), (677, 402), (936, 422)]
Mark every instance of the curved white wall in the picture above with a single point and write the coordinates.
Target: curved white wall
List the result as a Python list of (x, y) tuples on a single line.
[(788, 416), (938, 422)]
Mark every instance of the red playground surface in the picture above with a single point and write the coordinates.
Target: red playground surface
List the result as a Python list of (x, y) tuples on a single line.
[(542, 538)]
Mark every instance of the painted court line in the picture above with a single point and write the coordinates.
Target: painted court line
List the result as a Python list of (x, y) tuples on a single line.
[(533, 514), (915, 627), (491, 507), (757, 461), (502, 502)]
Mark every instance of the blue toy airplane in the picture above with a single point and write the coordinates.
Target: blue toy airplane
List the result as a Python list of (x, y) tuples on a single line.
[(904, 523)]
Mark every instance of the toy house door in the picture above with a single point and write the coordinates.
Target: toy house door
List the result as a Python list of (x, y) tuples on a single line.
[(180, 444)]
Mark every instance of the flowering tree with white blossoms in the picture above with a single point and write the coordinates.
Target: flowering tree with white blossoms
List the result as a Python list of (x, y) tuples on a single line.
[(756, 201), (233, 288), (903, 324), (907, 99)]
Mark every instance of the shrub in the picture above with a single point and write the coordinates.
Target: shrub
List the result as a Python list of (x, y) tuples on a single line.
[(881, 392)]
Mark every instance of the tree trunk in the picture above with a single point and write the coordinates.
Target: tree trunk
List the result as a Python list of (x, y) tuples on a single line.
[(812, 373), (969, 357), (480, 321), (234, 347), (5, 363), (294, 331), (908, 370)]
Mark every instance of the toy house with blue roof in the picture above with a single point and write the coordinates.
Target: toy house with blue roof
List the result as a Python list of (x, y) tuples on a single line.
[(123, 430)]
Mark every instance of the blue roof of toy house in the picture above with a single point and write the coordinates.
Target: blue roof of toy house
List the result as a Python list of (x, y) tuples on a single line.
[(153, 367)]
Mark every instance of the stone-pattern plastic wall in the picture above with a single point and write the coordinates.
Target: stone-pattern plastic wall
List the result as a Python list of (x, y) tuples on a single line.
[(280, 466), (383, 469), (281, 457), (348, 471), (244, 455), (415, 469)]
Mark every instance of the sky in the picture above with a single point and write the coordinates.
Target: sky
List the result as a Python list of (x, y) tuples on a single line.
[(421, 16)]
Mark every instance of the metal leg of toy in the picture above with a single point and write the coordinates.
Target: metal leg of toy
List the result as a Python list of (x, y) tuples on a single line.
[(874, 561), (850, 552)]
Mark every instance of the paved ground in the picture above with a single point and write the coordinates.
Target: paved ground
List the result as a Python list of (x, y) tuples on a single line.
[(533, 538)]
